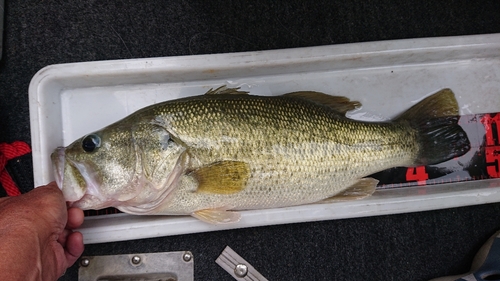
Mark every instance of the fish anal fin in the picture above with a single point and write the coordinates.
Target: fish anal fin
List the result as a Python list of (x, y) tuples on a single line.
[(224, 177), (217, 216), (337, 103), (224, 90), (363, 188)]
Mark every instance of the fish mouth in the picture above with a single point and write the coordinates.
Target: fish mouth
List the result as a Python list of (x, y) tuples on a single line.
[(58, 161), (72, 182)]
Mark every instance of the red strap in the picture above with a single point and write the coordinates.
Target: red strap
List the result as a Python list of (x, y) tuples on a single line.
[(8, 152)]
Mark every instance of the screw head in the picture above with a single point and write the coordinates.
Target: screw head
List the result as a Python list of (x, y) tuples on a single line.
[(136, 260), (241, 270), (84, 262), (187, 256)]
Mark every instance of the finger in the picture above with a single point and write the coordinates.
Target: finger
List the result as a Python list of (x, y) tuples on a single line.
[(53, 184), (44, 209), (64, 236), (50, 189), (74, 247), (75, 218), (49, 196)]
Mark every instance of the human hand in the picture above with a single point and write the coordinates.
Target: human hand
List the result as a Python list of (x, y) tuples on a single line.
[(37, 241)]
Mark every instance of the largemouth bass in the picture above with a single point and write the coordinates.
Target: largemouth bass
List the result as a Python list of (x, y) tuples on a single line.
[(211, 155)]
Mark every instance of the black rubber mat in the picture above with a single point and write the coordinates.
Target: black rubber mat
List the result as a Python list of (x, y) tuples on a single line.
[(416, 246)]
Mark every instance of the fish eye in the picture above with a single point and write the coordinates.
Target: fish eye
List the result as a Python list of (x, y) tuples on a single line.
[(91, 142)]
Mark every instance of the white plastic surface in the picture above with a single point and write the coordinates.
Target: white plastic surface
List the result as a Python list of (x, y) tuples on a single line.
[(387, 77)]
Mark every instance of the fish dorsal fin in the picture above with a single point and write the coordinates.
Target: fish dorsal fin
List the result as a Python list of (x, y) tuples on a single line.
[(337, 103), (223, 90), (225, 177), (359, 190), (437, 105)]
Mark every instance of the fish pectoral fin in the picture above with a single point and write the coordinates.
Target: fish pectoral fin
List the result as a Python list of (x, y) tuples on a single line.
[(224, 90), (217, 216), (224, 177), (337, 103), (363, 188)]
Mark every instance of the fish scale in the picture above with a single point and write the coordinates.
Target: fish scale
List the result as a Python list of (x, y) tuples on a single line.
[(287, 142)]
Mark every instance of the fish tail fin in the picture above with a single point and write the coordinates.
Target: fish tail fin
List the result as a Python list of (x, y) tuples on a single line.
[(435, 119)]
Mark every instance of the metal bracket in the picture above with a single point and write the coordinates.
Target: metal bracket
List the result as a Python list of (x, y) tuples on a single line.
[(238, 267), (167, 266)]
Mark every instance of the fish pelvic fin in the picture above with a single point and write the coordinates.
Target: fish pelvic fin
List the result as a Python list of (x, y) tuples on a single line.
[(439, 135), (362, 188), (337, 103), (224, 90), (217, 216), (224, 177)]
